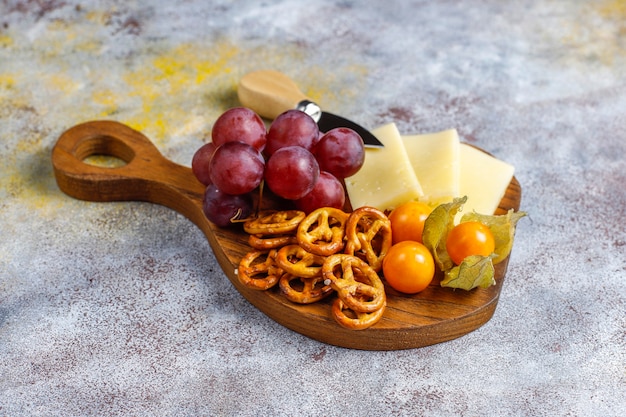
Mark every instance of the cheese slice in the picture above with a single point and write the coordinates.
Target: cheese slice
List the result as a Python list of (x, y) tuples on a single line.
[(435, 160), (386, 178), (484, 179)]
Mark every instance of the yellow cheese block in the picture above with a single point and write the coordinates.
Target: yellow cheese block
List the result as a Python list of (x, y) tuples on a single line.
[(435, 160), (483, 179), (386, 178)]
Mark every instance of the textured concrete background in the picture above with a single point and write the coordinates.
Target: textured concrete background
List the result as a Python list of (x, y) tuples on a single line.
[(120, 308)]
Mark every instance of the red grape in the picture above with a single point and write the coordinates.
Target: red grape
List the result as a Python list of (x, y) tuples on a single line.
[(236, 168), (291, 172), (239, 124), (200, 162), (293, 127), (327, 192), (341, 152), (220, 207)]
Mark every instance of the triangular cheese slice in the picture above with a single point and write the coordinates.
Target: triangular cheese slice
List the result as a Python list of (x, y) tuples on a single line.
[(435, 160), (386, 178)]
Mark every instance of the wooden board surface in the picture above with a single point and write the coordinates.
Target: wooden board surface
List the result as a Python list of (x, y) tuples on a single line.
[(435, 315)]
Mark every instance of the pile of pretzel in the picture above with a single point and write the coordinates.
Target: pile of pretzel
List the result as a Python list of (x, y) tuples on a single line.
[(313, 256)]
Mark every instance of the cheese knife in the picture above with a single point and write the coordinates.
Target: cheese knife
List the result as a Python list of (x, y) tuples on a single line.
[(270, 93)]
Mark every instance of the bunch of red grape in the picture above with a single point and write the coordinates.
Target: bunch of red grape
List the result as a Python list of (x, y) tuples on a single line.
[(296, 161)]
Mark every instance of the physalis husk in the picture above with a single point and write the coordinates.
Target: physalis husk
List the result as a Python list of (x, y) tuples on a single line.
[(474, 271)]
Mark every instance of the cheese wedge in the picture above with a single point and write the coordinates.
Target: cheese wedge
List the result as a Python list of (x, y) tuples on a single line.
[(386, 178), (483, 179), (435, 161)]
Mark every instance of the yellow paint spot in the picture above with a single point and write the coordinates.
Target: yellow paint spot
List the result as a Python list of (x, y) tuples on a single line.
[(7, 81), (98, 17), (107, 99), (615, 9), (60, 25), (61, 83), (61, 37), (166, 85), (88, 45), (6, 41), (597, 36)]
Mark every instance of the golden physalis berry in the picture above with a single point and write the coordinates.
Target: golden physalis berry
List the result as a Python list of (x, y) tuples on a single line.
[(407, 221), (408, 267)]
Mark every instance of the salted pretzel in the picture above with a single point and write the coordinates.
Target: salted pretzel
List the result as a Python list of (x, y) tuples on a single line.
[(322, 231), (262, 242), (354, 320), (303, 290), (295, 260), (357, 284), (258, 270), (368, 235), (273, 222)]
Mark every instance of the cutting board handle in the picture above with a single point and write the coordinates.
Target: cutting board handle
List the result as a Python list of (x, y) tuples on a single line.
[(145, 176), (269, 93)]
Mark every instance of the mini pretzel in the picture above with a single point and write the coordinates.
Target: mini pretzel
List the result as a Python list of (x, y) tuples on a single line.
[(357, 284), (272, 222), (295, 260), (262, 242), (354, 320), (258, 270), (308, 290), (321, 232), (368, 234)]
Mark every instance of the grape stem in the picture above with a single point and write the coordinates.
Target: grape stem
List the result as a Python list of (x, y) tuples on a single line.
[(236, 219), (258, 206)]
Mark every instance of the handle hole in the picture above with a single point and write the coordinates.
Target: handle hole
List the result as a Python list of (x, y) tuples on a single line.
[(104, 151), (104, 161)]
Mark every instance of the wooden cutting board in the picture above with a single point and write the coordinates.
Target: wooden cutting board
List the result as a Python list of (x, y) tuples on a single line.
[(435, 315)]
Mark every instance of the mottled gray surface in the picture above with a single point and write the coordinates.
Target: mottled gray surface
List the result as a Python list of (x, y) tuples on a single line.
[(120, 308)]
